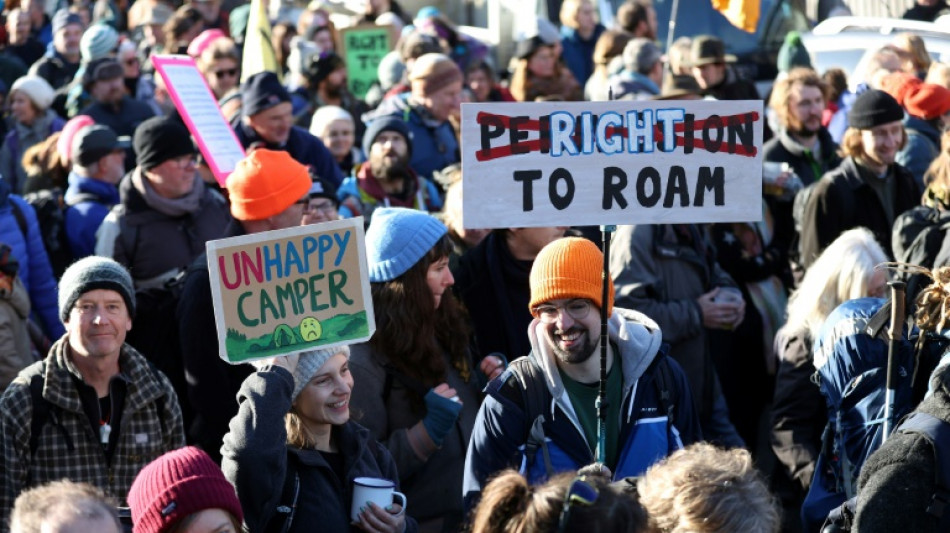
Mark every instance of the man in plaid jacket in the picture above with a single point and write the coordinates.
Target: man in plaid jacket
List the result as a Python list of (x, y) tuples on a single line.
[(100, 411)]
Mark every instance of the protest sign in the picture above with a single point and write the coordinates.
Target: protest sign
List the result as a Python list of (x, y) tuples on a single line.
[(625, 162), (363, 48), (198, 108), (285, 291)]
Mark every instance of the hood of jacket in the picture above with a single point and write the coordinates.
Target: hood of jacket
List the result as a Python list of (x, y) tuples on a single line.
[(637, 337)]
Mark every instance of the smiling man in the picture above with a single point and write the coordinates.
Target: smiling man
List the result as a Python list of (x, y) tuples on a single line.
[(540, 414), (267, 121), (868, 188), (93, 411)]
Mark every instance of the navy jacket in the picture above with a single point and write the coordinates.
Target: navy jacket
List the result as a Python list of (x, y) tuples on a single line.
[(578, 53), (84, 218), (301, 145), (500, 430), (434, 145), (256, 455)]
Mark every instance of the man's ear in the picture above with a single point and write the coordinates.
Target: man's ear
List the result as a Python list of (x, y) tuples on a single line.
[(128, 325)]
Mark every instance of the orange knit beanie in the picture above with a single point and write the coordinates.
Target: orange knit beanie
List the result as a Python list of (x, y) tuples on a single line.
[(265, 183), (571, 267)]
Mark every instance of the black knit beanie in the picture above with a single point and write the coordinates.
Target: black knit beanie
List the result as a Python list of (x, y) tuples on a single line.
[(874, 108)]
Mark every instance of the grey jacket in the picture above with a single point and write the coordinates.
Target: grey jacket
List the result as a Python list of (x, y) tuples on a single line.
[(661, 278), (16, 352), (434, 486)]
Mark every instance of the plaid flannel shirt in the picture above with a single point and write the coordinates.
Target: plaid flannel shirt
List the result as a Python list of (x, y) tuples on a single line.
[(145, 432)]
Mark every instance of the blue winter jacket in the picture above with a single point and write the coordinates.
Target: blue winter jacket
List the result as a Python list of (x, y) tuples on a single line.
[(434, 145), (502, 427), (301, 145), (922, 147), (90, 201), (578, 53), (35, 270)]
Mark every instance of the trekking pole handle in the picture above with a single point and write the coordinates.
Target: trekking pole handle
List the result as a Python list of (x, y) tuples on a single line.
[(895, 333)]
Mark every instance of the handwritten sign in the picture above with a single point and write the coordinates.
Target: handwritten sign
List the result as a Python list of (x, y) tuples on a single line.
[(363, 48), (198, 108), (286, 291), (592, 163)]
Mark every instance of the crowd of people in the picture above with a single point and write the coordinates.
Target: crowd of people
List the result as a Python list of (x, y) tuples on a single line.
[(480, 396)]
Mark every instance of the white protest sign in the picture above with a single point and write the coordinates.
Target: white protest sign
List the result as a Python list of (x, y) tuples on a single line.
[(625, 162), (286, 291), (198, 108)]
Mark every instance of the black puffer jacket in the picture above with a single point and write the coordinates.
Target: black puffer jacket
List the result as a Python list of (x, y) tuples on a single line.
[(897, 482)]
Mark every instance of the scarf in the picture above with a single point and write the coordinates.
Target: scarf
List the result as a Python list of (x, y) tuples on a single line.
[(173, 207)]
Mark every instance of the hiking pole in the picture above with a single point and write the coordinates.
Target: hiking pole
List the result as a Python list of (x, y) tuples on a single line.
[(601, 456), (671, 29), (895, 333)]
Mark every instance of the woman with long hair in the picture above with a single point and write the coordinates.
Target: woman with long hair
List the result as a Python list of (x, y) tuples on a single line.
[(844, 271), (293, 446), (539, 73), (419, 391)]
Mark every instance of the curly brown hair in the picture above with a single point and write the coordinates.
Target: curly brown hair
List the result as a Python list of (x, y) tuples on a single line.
[(412, 333)]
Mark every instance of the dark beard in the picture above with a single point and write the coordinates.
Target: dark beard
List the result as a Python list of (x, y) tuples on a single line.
[(383, 170), (575, 358)]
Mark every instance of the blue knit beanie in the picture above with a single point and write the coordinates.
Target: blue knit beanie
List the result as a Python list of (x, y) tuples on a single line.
[(397, 239), (91, 273)]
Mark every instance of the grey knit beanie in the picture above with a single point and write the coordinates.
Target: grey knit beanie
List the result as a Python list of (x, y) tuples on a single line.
[(91, 273), (308, 363)]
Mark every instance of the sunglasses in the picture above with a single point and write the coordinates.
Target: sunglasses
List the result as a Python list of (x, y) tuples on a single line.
[(579, 493), (227, 72)]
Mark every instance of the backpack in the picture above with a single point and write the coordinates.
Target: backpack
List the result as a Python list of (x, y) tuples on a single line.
[(926, 229), (937, 433), (851, 356), (534, 400), (50, 206)]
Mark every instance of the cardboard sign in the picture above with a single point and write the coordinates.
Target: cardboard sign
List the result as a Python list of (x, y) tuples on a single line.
[(363, 48), (287, 291), (199, 109), (601, 163)]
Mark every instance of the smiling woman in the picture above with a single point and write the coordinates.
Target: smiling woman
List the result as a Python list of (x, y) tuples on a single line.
[(293, 437)]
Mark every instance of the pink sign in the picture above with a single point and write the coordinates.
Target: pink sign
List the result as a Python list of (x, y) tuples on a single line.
[(198, 108)]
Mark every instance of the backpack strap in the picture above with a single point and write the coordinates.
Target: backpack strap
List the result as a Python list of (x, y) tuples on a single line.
[(82, 197), (664, 382), (287, 506), (937, 432), (43, 412), (20, 220), (533, 396)]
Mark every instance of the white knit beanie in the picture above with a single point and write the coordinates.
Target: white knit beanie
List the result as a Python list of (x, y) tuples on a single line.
[(36, 89), (308, 363)]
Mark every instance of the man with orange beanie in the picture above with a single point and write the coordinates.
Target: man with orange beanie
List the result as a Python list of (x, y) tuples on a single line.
[(540, 415), (268, 191)]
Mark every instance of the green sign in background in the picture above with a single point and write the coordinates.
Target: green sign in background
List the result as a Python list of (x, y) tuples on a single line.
[(363, 49)]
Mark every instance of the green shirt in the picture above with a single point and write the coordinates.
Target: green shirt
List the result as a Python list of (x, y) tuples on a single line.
[(584, 399)]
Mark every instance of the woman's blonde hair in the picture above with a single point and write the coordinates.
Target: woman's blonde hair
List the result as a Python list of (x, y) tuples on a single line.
[(841, 273), (937, 177), (916, 50), (704, 489)]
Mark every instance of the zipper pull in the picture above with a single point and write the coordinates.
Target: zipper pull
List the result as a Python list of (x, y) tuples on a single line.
[(104, 431)]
